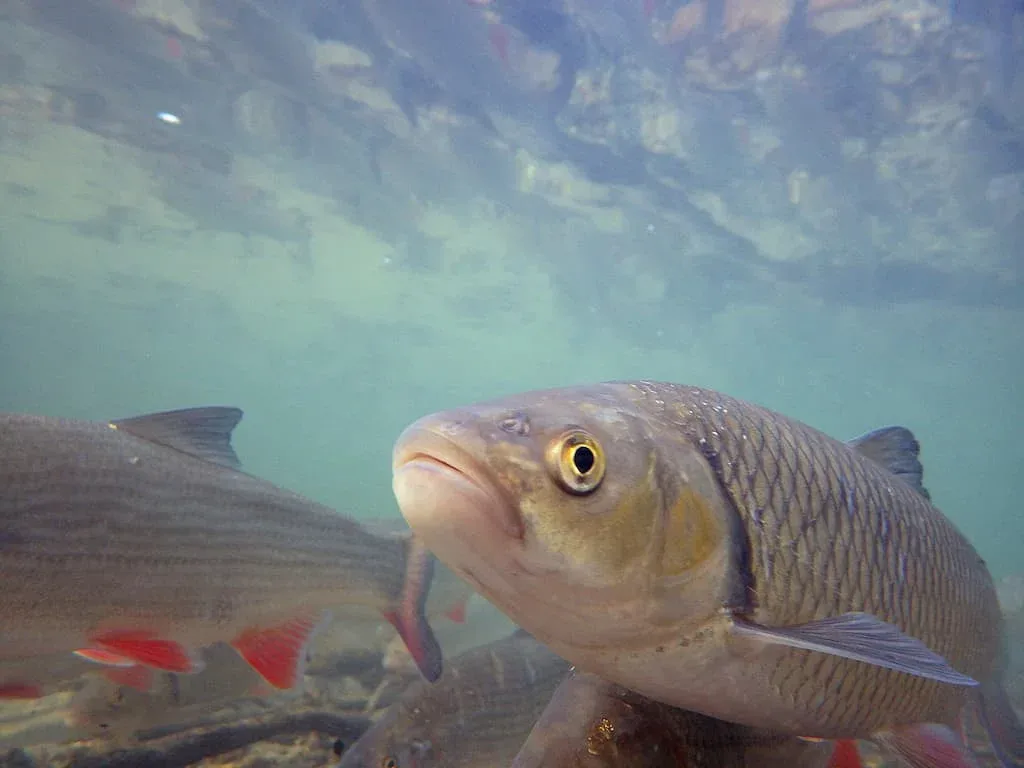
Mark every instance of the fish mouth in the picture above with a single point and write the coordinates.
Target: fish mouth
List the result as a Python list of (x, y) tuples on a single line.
[(433, 476)]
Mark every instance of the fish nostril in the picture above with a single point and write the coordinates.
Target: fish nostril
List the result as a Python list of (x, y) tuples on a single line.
[(515, 424)]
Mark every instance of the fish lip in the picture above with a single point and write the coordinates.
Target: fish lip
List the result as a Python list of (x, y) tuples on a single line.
[(428, 449)]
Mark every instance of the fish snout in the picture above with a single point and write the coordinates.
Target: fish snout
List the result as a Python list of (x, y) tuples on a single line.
[(441, 479)]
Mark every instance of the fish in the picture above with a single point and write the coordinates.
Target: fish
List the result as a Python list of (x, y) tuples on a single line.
[(592, 723), (720, 557), (140, 541), (104, 709), (476, 716)]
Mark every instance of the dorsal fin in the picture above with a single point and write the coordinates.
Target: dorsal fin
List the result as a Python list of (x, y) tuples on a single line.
[(201, 432), (896, 449)]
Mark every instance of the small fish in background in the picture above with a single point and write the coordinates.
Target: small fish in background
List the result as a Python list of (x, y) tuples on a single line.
[(591, 723), (476, 716), (103, 709), (720, 557), (140, 541)]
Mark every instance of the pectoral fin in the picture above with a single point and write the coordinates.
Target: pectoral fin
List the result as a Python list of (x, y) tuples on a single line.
[(861, 637), (1000, 722)]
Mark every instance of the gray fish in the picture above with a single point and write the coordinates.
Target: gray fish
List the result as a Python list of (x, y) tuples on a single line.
[(717, 556), (139, 541), (591, 723), (476, 716)]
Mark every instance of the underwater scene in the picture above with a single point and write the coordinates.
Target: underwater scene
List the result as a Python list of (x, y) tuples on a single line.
[(511, 383)]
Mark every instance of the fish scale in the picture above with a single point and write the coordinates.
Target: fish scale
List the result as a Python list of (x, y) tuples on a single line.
[(823, 505), (821, 516)]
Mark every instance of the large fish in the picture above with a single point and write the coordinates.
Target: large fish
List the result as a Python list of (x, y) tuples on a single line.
[(591, 723), (138, 542), (476, 716), (720, 557)]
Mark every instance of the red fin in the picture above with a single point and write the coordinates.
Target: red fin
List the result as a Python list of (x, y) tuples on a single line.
[(20, 691), (410, 618), (136, 676), (927, 745), (141, 647), (845, 755), (457, 612), (278, 653)]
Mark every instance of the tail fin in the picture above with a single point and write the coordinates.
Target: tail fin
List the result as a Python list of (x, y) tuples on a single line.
[(410, 618)]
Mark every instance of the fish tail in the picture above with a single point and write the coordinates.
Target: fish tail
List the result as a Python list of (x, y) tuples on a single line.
[(1001, 724), (410, 618)]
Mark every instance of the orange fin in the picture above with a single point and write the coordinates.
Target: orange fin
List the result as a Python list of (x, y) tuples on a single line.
[(410, 618), (136, 676), (141, 647), (20, 691), (278, 653), (845, 755), (927, 745), (457, 612)]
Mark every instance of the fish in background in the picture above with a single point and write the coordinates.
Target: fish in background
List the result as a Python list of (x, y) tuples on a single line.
[(591, 723), (720, 557), (140, 541), (476, 716), (104, 709), (128, 704)]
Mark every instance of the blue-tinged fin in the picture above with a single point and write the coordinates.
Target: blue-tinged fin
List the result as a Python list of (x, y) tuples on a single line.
[(861, 637), (1001, 724), (896, 449), (201, 432)]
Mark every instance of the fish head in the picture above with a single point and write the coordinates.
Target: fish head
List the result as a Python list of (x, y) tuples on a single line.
[(577, 511), (395, 741)]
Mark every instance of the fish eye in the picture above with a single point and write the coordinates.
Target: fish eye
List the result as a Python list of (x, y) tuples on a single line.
[(577, 462), (389, 762)]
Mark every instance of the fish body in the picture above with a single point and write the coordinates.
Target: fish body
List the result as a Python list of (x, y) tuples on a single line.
[(716, 556), (140, 541), (591, 723), (476, 716)]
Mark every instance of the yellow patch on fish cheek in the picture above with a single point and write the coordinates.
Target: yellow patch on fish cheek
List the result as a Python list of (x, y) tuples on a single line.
[(692, 533)]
